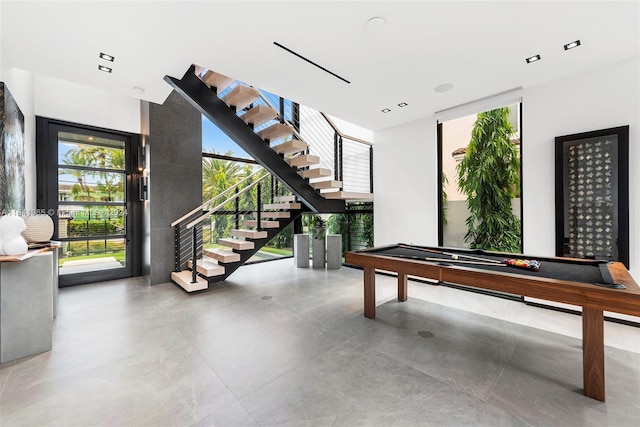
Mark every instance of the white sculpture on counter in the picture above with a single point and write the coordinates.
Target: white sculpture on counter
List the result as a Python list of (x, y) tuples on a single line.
[(11, 240)]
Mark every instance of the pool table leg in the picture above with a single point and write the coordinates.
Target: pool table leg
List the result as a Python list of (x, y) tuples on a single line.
[(593, 353), (402, 287), (369, 292)]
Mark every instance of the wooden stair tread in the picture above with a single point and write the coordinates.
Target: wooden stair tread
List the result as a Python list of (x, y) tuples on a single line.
[(277, 206), (276, 131), (327, 184), (222, 255), (290, 147), (217, 80), (249, 234), (348, 195), (315, 173), (303, 160), (241, 96), (207, 268), (259, 115), (290, 198), (263, 224), (183, 278), (241, 245), (285, 214)]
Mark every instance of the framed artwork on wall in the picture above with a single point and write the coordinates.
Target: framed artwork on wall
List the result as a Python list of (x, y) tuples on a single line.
[(12, 187), (592, 195)]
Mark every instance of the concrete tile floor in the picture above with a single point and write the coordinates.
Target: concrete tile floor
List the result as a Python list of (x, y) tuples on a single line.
[(279, 346)]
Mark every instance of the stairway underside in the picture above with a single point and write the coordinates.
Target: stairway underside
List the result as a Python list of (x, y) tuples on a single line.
[(208, 103)]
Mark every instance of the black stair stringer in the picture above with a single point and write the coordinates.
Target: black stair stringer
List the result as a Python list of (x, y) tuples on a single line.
[(230, 267), (207, 102)]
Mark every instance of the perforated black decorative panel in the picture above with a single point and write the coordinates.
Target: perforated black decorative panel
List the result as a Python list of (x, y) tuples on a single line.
[(592, 195)]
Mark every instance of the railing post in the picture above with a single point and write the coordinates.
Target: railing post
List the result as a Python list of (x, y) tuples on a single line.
[(371, 169), (259, 228), (340, 158), (237, 205), (336, 165), (273, 188), (176, 247), (348, 230), (295, 113), (194, 265), (282, 118)]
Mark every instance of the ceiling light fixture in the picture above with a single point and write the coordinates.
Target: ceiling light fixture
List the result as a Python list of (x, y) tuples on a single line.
[(385, 110), (107, 57), (105, 69), (533, 58), (402, 104), (572, 45), (374, 24), (444, 87)]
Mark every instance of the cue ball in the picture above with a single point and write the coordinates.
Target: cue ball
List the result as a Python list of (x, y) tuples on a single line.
[(454, 256)]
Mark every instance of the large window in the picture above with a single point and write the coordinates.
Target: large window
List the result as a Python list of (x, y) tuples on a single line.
[(480, 176), (221, 170)]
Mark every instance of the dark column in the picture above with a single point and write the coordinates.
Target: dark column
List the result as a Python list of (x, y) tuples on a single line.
[(174, 168)]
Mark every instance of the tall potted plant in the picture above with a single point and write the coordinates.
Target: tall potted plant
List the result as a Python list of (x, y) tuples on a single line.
[(489, 175)]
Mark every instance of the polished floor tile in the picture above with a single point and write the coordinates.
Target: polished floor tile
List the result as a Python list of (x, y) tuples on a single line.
[(275, 345)]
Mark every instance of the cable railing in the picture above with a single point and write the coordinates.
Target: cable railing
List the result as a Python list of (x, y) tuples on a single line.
[(209, 202), (230, 199), (196, 217)]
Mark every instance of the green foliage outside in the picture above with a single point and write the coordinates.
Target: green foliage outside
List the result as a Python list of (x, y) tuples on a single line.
[(217, 176), (356, 228), (95, 186), (109, 185), (445, 198), (489, 175), (82, 228)]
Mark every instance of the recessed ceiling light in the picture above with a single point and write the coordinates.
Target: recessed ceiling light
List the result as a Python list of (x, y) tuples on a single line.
[(385, 110), (402, 104), (105, 69), (533, 58), (374, 24), (139, 90), (572, 45), (106, 57), (444, 87)]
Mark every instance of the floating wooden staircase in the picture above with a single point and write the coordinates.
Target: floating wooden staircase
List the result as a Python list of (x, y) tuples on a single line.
[(216, 264), (277, 147), (281, 152)]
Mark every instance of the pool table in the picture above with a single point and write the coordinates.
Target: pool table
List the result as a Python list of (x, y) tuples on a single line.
[(594, 285)]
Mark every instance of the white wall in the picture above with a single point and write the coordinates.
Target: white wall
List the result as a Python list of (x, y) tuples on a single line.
[(602, 98), (38, 95), (405, 184), (72, 102), (405, 166), (20, 85)]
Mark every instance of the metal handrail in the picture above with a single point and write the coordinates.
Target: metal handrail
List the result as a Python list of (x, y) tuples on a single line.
[(219, 206), (208, 202)]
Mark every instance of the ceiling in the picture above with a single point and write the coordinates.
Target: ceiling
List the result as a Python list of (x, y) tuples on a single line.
[(479, 47)]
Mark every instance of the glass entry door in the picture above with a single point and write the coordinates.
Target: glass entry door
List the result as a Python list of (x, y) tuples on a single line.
[(91, 195)]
